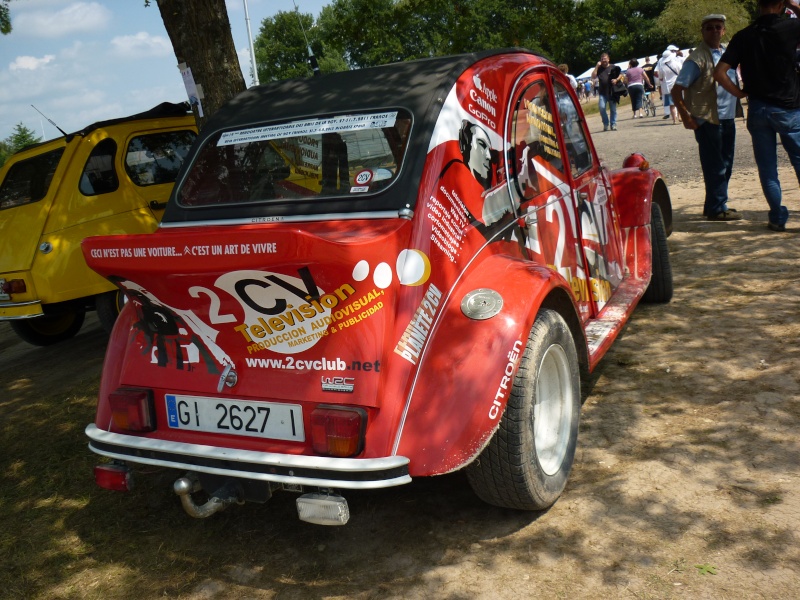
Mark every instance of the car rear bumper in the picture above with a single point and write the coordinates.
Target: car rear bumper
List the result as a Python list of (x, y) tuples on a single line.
[(345, 473), (20, 310)]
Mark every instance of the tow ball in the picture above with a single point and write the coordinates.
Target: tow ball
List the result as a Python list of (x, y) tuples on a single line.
[(225, 496)]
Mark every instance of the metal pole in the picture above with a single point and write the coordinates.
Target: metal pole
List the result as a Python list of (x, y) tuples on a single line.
[(252, 48)]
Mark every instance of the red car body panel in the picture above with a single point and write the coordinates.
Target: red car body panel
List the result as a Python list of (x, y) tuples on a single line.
[(365, 310)]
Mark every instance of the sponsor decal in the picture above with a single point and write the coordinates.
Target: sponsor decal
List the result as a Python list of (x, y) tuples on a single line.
[(485, 98), (506, 381), (363, 177), (309, 127), (196, 250), (338, 384), (448, 225), (416, 333), (319, 364), (541, 118)]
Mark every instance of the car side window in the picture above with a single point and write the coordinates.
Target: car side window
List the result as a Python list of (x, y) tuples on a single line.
[(99, 175), (537, 157), (156, 158), (28, 180), (580, 158)]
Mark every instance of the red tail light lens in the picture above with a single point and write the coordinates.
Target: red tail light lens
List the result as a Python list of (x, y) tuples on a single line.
[(114, 477), (133, 409), (14, 286), (338, 431)]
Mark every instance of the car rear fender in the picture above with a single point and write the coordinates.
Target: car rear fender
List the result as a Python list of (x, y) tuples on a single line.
[(465, 375), (116, 352), (634, 189)]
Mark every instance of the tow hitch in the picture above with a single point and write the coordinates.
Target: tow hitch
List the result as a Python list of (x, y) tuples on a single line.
[(226, 495), (324, 507)]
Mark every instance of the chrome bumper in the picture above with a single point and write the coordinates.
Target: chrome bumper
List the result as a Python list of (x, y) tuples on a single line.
[(343, 473)]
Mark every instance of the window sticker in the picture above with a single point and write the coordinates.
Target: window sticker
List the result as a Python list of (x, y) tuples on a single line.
[(309, 127), (363, 177)]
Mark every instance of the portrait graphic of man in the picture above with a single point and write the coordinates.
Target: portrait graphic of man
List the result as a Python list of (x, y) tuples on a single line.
[(476, 150)]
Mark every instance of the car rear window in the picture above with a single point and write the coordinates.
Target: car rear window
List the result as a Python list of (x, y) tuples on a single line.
[(343, 155), (156, 158), (28, 180)]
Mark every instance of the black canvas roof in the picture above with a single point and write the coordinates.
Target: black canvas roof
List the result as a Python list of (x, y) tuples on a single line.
[(418, 86), (160, 111)]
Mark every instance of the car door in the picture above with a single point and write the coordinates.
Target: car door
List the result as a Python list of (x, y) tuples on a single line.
[(600, 238), (541, 179)]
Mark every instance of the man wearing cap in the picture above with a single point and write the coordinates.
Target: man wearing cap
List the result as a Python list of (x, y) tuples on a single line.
[(711, 114), (667, 71), (765, 51)]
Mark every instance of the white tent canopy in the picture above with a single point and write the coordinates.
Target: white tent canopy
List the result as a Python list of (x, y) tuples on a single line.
[(624, 64)]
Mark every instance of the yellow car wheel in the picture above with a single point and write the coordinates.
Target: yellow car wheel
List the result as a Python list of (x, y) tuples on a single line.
[(108, 306), (44, 331)]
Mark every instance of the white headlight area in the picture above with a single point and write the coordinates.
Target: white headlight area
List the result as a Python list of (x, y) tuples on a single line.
[(323, 509)]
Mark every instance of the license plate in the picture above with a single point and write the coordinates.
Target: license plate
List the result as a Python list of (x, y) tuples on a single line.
[(236, 417), (3, 295)]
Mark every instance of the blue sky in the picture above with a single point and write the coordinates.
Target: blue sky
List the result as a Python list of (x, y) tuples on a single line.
[(83, 61)]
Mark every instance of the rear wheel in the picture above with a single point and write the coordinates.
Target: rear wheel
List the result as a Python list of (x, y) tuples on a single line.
[(108, 306), (528, 460), (660, 288), (44, 331)]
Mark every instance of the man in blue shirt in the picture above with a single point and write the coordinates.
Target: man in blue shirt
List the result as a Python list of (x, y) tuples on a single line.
[(765, 51), (711, 113)]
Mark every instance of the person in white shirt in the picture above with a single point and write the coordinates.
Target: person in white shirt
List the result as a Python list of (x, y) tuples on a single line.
[(667, 71)]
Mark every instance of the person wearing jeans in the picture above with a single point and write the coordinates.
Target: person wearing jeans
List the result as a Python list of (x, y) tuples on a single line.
[(711, 115), (606, 75), (763, 122), (765, 52)]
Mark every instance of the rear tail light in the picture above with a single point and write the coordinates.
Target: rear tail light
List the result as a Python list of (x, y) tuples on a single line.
[(14, 286), (338, 431), (133, 409), (118, 478)]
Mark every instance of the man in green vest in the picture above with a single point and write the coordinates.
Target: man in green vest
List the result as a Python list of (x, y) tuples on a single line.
[(710, 112)]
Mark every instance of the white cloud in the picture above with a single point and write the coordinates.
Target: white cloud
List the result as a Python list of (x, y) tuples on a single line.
[(141, 45), (30, 63), (78, 17)]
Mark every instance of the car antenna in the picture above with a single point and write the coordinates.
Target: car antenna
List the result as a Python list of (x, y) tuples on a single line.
[(311, 58), (64, 133)]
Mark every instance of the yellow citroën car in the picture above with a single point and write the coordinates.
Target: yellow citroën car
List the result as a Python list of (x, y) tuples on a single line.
[(111, 177)]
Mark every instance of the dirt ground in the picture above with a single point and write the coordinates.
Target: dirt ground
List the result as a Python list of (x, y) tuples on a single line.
[(686, 482)]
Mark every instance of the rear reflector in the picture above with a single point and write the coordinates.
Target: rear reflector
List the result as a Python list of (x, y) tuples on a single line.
[(114, 477), (338, 431), (132, 409), (323, 509)]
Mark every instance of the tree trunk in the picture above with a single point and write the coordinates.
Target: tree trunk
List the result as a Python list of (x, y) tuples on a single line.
[(201, 38)]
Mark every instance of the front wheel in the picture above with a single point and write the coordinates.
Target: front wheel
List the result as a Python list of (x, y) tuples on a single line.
[(529, 458), (45, 331)]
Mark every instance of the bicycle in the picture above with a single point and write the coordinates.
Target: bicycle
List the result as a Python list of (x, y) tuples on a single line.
[(649, 105)]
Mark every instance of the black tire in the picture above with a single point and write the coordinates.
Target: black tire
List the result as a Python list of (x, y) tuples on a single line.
[(45, 331), (660, 288), (528, 460), (108, 306)]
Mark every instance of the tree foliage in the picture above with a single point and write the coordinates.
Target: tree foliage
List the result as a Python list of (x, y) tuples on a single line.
[(680, 20), (5, 17), (363, 33), (282, 51), (20, 137), (372, 32)]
